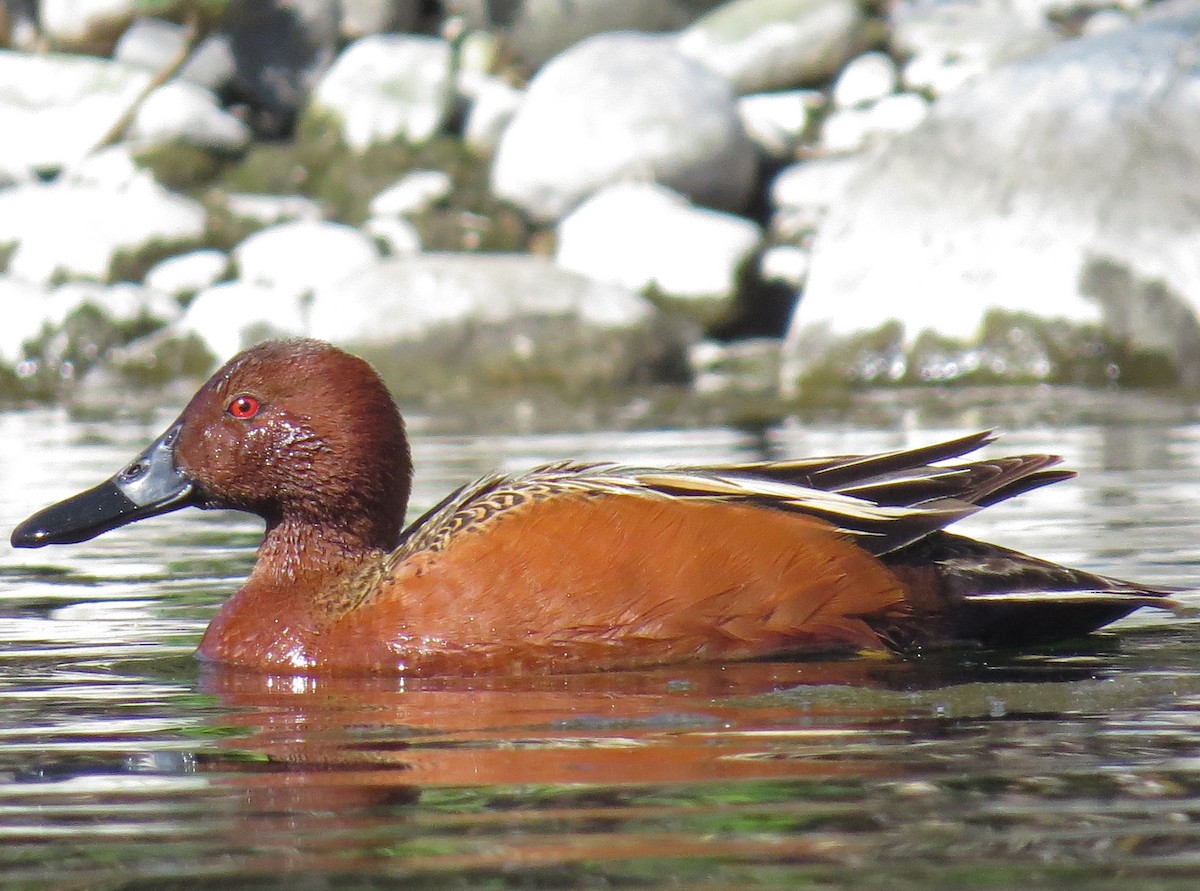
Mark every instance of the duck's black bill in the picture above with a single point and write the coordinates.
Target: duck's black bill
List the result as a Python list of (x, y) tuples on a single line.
[(148, 486)]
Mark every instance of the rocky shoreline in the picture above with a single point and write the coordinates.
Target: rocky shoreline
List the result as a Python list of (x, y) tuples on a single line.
[(754, 198)]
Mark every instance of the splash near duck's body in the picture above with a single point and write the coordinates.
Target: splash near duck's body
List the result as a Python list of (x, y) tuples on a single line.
[(575, 567)]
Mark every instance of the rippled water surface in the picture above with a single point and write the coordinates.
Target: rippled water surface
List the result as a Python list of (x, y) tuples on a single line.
[(123, 764)]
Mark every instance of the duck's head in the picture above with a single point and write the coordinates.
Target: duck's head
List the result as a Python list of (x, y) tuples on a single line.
[(293, 431)]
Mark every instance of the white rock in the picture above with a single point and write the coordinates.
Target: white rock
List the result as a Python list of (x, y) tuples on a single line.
[(110, 168), (301, 256), (777, 121), (27, 308), (70, 22), (150, 43), (120, 302), (623, 107), (416, 191), (494, 106), (763, 45), (76, 231), (362, 17), (478, 52), (188, 273), (62, 106), (409, 297), (398, 236), (785, 263), (387, 87), (1105, 21), (949, 42), (154, 44), (867, 78), (234, 315), (268, 209), (643, 236), (184, 112), (803, 193), (850, 129)]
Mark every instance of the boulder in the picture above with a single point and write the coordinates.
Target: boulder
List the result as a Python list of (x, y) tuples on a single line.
[(762, 45), (1061, 187), (388, 87), (76, 230), (445, 325), (303, 255), (652, 240), (619, 107)]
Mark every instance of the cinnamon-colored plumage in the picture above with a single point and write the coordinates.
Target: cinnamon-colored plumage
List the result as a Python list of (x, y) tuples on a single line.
[(574, 566)]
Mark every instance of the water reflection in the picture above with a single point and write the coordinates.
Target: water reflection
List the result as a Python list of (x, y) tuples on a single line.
[(123, 764)]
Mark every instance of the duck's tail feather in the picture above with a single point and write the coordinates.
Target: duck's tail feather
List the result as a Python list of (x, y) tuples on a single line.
[(973, 591)]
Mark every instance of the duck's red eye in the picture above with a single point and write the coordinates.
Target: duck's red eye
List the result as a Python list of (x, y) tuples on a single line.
[(243, 407)]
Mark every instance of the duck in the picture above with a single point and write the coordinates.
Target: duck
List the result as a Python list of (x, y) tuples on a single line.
[(576, 566)]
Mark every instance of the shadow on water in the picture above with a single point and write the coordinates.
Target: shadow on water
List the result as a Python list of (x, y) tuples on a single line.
[(125, 765)]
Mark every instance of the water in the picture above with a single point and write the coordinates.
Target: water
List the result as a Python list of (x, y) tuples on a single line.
[(123, 764)]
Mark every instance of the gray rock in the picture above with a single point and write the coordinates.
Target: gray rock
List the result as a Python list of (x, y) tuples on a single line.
[(541, 29), (644, 236), (280, 50), (301, 256), (619, 107), (62, 106), (388, 87), (762, 45), (1063, 186), (76, 231)]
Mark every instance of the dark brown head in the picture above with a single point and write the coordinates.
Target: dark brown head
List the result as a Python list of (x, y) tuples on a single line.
[(295, 431)]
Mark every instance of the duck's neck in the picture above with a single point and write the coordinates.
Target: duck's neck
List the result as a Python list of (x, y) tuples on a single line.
[(297, 554)]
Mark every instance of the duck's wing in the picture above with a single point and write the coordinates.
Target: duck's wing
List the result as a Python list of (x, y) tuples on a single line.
[(883, 502)]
